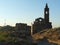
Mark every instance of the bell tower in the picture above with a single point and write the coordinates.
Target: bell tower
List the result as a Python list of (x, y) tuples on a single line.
[(46, 13), (42, 23)]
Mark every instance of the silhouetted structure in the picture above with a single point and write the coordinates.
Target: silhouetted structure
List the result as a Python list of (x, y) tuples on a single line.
[(23, 29), (42, 23)]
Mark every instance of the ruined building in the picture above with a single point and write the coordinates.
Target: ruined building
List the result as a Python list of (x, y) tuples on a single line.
[(23, 29), (38, 25), (42, 23)]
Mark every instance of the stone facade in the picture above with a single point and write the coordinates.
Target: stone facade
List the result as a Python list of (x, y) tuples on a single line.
[(42, 23), (23, 29)]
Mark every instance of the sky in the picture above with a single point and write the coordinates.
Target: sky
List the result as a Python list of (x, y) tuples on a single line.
[(26, 11)]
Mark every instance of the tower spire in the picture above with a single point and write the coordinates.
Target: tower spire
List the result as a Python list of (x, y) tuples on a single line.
[(46, 5), (46, 13)]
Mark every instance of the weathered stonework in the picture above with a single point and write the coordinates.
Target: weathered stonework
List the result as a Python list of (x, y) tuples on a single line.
[(42, 23)]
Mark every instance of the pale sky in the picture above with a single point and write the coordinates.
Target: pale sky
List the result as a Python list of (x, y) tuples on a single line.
[(26, 11)]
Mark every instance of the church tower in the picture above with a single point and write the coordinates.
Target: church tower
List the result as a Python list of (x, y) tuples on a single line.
[(46, 13), (42, 23)]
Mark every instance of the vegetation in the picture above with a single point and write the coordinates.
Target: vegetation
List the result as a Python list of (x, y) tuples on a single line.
[(11, 36), (53, 35)]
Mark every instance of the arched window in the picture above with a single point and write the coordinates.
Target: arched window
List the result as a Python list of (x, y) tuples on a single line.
[(39, 19)]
